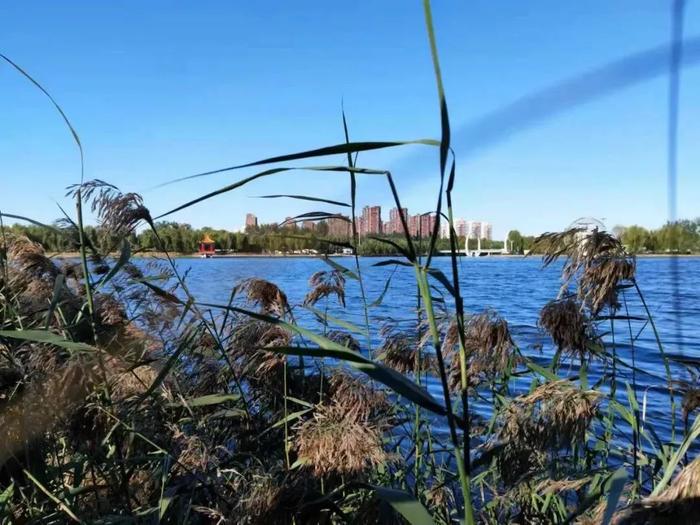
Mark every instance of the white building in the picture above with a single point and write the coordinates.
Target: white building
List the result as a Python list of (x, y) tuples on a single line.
[(471, 229)]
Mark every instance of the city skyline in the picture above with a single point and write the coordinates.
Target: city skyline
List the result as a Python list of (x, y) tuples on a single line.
[(370, 222)]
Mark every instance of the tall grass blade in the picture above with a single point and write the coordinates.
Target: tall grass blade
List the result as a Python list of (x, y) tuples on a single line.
[(405, 504)]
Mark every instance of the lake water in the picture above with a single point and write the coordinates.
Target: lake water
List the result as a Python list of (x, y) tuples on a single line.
[(515, 287)]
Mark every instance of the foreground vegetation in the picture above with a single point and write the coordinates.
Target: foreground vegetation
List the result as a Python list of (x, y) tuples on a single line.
[(123, 398)]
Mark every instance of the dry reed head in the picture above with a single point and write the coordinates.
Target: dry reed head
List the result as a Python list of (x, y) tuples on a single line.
[(118, 212), (679, 504), (488, 346), (324, 284), (335, 441), (31, 275), (564, 411), (359, 398), (596, 257), (569, 327), (691, 396), (345, 339), (127, 382), (403, 352), (266, 295), (598, 283), (109, 311), (263, 501), (248, 341), (553, 416), (488, 343), (193, 453)]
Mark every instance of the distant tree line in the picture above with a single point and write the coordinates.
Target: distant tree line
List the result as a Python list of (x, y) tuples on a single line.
[(679, 237), (673, 237)]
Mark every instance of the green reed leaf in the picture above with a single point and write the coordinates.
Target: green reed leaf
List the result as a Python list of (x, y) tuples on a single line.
[(337, 149), (208, 400), (616, 484), (689, 438), (405, 504), (329, 319), (305, 198), (44, 336), (342, 269)]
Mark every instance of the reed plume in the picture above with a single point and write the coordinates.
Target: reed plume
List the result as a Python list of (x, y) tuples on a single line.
[(489, 348), (570, 328), (266, 295), (336, 441), (554, 415), (324, 284), (596, 258), (679, 504), (360, 399), (403, 352), (118, 212), (344, 338)]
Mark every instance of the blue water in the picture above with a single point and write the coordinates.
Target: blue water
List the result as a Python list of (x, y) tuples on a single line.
[(515, 287)]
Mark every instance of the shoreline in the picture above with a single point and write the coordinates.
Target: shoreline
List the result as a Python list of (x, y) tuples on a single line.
[(161, 255)]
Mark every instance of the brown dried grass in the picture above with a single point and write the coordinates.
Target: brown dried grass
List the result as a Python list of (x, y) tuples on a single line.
[(489, 349), (337, 441), (570, 328), (324, 284), (679, 504), (364, 402), (596, 258), (402, 352), (266, 295)]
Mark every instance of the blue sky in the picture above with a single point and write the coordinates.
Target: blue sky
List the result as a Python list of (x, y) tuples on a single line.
[(159, 90)]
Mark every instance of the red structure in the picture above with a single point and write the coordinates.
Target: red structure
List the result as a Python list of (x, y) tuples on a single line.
[(207, 246)]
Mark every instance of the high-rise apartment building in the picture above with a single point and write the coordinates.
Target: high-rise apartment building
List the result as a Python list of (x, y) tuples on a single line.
[(413, 225), (360, 224), (339, 227), (471, 229), (372, 220), (394, 225), (251, 221), (427, 224)]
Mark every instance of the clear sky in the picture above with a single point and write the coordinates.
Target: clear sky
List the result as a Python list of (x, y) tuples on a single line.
[(162, 89)]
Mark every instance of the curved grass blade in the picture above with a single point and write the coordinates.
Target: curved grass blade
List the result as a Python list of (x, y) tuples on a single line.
[(399, 383), (690, 437), (32, 221), (395, 245), (389, 377), (378, 300), (617, 484), (124, 257), (313, 216), (345, 148), (402, 502), (327, 318), (259, 175), (44, 336), (304, 198), (395, 262), (61, 505), (57, 287), (41, 88), (209, 399), (342, 269)]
